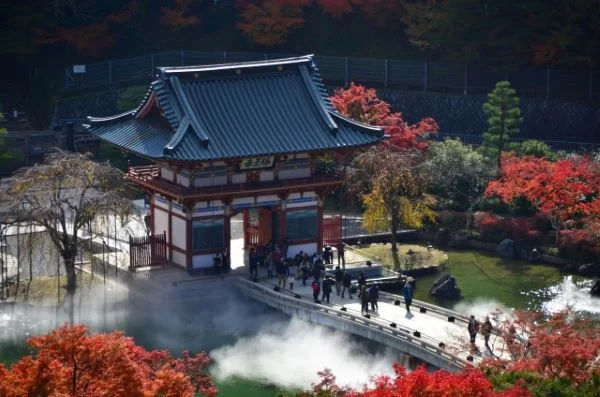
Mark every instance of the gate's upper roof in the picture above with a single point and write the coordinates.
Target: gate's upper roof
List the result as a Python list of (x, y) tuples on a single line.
[(234, 110)]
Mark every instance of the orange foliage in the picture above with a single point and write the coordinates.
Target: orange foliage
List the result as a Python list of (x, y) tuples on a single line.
[(94, 39), (362, 104), (564, 190), (337, 8), (560, 347), (420, 382), (69, 362), (176, 17), (269, 22)]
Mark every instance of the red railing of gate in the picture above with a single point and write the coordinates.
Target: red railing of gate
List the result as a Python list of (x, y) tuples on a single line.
[(148, 251), (332, 230)]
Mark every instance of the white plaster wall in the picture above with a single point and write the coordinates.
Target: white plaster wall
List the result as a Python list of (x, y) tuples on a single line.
[(178, 209), (238, 178), (266, 176), (209, 212), (166, 173), (309, 248), (242, 200), (161, 202), (308, 203), (211, 181), (202, 261), (267, 198), (294, 196), (179, 258), (179, 233), (294, 173), (183, 180), (161, 222)]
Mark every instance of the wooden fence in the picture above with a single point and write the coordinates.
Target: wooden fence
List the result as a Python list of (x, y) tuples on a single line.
[(148, 251)]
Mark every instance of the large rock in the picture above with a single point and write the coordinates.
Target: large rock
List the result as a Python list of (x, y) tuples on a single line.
[(445, 287), (442, 237), (506, 248), (596, 289), (458, 241), (589, 270)]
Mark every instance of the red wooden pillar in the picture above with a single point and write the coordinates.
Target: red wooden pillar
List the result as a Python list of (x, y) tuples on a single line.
[(282, 222)]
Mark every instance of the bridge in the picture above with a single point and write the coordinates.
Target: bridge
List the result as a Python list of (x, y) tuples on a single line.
[(429, 333)]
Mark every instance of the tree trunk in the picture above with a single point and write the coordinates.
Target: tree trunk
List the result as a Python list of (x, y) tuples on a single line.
[(394, 229), (69, 260)]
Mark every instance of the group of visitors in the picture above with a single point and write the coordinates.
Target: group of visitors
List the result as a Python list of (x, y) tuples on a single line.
[(272, 256), (486, 330), (221, 262)]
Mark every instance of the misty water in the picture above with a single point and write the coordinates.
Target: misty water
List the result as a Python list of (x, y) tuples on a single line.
[(258, 351)]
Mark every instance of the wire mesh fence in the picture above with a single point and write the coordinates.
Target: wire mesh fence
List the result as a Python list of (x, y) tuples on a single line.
[(400, 74)]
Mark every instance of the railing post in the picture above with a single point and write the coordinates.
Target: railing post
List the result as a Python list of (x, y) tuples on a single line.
[(182, 58), (266, 56), (152, 64), (425, 76), (109, 72), (591, 87), (466, 79), (224, 56), (385, 83), (547, 83), (346, 74)]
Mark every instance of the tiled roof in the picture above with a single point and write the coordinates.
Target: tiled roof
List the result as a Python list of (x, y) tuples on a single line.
[(236, 110)]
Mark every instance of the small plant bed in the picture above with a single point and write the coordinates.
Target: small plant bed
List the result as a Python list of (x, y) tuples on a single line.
[(408, 256), (42, 290)]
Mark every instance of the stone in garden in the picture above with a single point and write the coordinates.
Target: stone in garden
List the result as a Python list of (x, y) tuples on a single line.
[(596, 289), (506, 248), (445, 287), (458, 241), (589, 270), (442, 237)]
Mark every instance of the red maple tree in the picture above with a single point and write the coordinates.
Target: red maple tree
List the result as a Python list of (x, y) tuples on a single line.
[(362, 104), (178, 16), (70, 362), (468, 383), (563, 191), (337, 8), (560, 347)]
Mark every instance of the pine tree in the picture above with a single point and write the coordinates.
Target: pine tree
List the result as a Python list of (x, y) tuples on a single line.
[(504, 120)]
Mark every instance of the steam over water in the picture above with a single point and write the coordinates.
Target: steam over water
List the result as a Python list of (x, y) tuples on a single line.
[(246, 339)]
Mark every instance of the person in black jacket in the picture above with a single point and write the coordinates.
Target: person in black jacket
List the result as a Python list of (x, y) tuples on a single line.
[(374, 295), (327, 287), (339, 278), (346, 283)]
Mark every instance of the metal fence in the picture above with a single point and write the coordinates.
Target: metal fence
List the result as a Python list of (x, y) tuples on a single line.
[(388, 73)]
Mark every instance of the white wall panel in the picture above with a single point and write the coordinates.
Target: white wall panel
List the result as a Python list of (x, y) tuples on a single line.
[(179, 233)]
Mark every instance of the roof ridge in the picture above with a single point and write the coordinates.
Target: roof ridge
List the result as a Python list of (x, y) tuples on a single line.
[(317, 98), (166, 70)]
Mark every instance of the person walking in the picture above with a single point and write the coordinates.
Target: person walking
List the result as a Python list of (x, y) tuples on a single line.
[(346, 283), (473, 328), (374, 295), (340, 250), (362, 281), (408, 294), (364, 298), (218, 264), (339, 278), (316, 289), (253, 259), (327, 287), (486, 331)]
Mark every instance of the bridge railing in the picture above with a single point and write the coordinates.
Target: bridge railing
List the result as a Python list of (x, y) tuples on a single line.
[(412, 75), (416, 338)]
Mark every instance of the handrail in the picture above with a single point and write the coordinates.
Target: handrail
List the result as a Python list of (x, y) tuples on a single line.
[(423, 342)]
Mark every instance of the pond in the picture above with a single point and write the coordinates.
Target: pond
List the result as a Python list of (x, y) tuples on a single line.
[(259, 351)]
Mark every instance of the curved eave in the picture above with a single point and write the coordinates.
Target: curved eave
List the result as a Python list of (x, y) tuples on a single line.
[(109, 119), (369, 128)]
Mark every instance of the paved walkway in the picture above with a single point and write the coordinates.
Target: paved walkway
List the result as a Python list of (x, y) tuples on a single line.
[(433, 327)]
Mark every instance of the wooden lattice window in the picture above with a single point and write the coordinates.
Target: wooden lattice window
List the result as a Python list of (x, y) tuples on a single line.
[(301, 225), (208, 234)]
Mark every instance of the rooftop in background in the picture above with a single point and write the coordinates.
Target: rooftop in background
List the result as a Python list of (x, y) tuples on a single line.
[(248, 109)]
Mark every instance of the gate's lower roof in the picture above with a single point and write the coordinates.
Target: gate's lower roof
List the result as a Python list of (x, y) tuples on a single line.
[(235, 111)]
